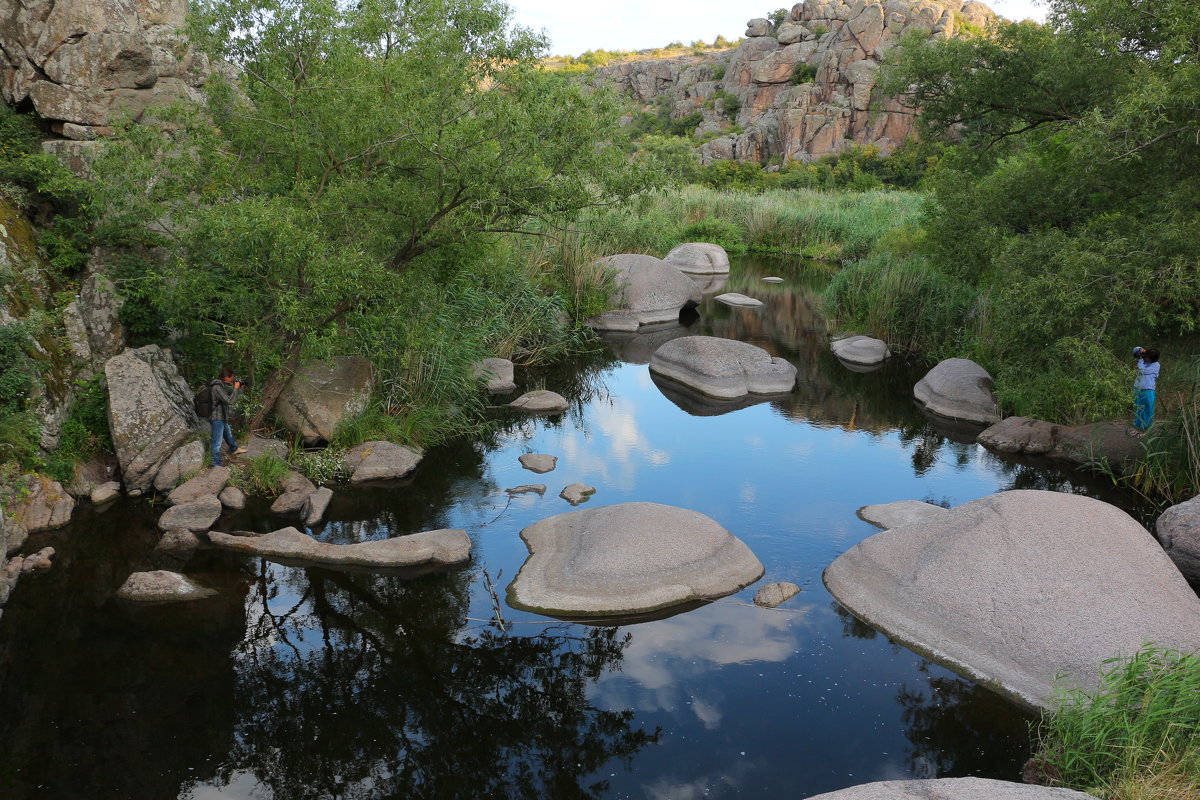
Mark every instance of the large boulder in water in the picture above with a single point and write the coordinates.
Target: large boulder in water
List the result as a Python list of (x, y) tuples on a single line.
[(952, 789), (1019, 587), (723, 368), (427, 549), (323, 395), (699, 258), (381, 461), (959, 388), (1179, 531), (648, 290), (629, 558), (150, 412)]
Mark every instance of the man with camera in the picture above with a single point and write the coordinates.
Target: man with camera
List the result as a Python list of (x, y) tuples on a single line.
[(225, 392)]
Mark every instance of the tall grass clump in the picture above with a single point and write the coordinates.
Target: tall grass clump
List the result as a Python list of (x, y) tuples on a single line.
[(261, 475), (1170, 464), (1136, 737)]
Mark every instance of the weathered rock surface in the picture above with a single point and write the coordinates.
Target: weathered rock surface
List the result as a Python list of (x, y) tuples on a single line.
[(901, 512), (577, 493), (739, 300), (161, 586), (960, 389), (180, 465), (295, 491), (194, 515), (527, 488), (861, 350), (540, 401), (174, 549), (41, 505), (699, 258), (258, 446), (1021, 435), (381, 461), (323, 395), (498, 372), (93, 326), (774, 594), (232, 498), (1019, 587), (952, 789), (723, 368), (105, 492), (1098, 444), (150, 412), (208, 483), (648, 291), (318, 503), (628, 559), (1179, 531), (441, 548), (538, 462)]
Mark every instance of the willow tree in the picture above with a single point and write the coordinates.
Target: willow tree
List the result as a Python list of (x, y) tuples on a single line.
[(348, 145)]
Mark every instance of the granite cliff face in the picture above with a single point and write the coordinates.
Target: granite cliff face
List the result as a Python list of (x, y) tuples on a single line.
[(838, 46)]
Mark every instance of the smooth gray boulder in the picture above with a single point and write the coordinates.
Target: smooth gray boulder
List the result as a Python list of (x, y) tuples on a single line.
[(498, 372), (540, 401), (1021, 435), (209, 482), (161, 586), (738, 300), (647, 290), (194, 515), (323, 395), (105, 493), (699, 258), (180, 465), (774, 594), (440, 548), (577, 493), (528, 488), (295, 490), (863, 350), (381, 461), (317, 505), (960, 389), (952, 789), (628, 558), (901, 512), (232, 498), (538, 462), (150, 412), (723, 368), (1179, 531), (1019, 587)]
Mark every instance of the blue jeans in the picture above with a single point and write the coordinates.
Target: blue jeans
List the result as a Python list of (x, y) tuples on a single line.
[(221, 431), (1143, 409)]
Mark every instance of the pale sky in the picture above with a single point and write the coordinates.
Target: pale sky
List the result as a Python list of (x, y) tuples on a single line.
[(575, 26)]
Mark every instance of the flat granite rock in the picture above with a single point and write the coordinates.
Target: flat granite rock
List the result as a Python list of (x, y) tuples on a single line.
[(960, 389), (773, 594), (540, 401), (629, 558), (863, 350), (1021, 435), (381, 461), (723, 368), (698, 258), (442, 548), (739, 300), (1019, 587), (952, 789), (577, 493), (161, 586), (538, 462), (901, 512), (209, 482), (197, 515), (1179, 531)]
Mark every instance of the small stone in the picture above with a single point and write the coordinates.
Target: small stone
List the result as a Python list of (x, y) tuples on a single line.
[(232, 498), (773, 594), (498, 372), (529, 488), (861, 350), (105, 493), (318, 503), (739, 300), (161, 586), (538, 462), (577, 493), (773, 279), (540, 402)]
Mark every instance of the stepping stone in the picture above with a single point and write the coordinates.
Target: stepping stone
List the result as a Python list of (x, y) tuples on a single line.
[(862, 350), (529, 488), (739, 300), (577, 493), (902, 512), (441, 548), (381, 461), (161, 586), (198, 515), (773, 279), (538, 462), (540, 402), (773, 594)]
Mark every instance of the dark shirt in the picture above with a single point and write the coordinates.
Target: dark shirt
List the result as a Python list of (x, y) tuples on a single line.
[(223, 397)]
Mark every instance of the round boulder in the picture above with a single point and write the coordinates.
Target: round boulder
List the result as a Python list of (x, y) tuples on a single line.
[(959, 388), (723, 368), (774, 594), (648, 290), (1179, 531), (498, 372), (629, 558), (1024, 591), (758, 27), (861, 350), (952, 789), (699, 258)]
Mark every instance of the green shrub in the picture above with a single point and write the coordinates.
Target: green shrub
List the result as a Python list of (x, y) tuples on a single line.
[(803, 73), (725, 233), (718, 72), (17, 369), (261, 475), (85, 431)]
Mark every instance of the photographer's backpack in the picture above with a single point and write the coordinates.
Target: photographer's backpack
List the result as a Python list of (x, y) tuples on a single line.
[(203, 402)]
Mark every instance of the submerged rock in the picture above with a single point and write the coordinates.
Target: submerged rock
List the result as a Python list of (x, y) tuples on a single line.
[(648, 291), (901, 512), (174, 549), (863, 350), (528, 488), (774, 594), (161, 586), (538, 462), (1019, 588), (440, 548), (723, 368), (952, 789), (540, 402), (960, 389), (628, 558), (739, 300), (381, 461), (699, 258), (1179, 531), (577, 493), (498, 372)]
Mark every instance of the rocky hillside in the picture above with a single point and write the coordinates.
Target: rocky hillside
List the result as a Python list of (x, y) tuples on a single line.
[(804, 89)]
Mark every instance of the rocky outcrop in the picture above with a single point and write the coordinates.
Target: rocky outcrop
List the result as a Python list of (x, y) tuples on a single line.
[(648, 291), (497, 372), (323, 395), (150, 412), (1178, 529), (1024, 591), (803, 90), (93, 327), (959, 389), (381, 461), (863, 350), (901, 512), (35, 504), (699, 258), (952, 789), (723, 368), (442, 548), (83, 63), (628, 558)]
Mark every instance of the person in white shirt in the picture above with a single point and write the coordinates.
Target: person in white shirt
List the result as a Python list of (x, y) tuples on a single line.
[(1144, 387)]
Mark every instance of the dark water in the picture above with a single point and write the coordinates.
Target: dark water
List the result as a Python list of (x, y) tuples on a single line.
[(296, 683)]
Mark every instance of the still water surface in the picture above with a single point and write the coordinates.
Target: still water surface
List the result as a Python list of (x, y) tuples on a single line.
[(298, 683)]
